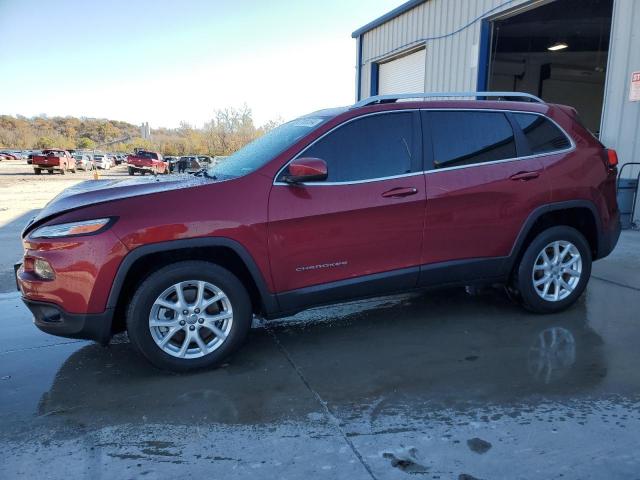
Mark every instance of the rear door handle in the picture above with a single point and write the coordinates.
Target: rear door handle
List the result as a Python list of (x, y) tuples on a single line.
[(400, 192), (525, 176)]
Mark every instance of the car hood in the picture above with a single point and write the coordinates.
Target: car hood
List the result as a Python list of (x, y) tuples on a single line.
[(92, 192)]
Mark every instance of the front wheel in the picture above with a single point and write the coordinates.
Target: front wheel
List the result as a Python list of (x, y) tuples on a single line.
[(37, 171), (130, 170), (554, 270), (189, 315)]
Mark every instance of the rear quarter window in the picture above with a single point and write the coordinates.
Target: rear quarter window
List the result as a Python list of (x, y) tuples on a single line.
[(542, 135)]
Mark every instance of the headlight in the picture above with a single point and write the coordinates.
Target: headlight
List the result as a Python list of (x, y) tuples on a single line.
[(73, 229), (43, 269)]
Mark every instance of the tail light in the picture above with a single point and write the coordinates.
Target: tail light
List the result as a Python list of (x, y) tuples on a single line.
[(612, 158)]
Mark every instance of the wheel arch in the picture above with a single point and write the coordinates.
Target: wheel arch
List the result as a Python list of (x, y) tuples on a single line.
[(227, 253), (579, 214)]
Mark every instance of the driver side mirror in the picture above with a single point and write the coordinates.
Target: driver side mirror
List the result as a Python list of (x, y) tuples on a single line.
[(303, 170)]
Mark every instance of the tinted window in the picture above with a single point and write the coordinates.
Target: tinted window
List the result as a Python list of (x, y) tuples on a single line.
[(542, 135), (371, 147), (151, 155), (465, 138)]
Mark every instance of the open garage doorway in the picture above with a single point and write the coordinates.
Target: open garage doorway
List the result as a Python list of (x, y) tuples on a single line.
[(557, 50)]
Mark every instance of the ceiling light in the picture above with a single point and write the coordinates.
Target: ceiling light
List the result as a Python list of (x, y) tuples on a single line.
[(557, 46)]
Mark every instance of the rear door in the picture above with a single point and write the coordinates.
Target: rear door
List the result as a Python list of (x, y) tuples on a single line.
[(365, 219), (482, 184)]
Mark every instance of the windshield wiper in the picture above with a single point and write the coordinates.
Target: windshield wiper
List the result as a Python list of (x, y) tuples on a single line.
[(204, 173)]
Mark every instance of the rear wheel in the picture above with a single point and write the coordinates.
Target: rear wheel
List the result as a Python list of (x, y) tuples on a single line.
[(189, 315), (554, 270)]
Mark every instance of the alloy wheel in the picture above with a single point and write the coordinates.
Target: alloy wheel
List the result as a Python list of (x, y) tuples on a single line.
[(557, 271), (191, 319)]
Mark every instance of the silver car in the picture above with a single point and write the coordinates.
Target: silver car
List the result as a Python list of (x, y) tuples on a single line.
[(83, 161), (103, 161)]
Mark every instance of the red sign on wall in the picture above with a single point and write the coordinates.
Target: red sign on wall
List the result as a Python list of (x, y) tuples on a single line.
[(634, 94)]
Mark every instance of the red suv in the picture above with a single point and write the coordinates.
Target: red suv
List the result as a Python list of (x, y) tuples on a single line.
[(378, 198)]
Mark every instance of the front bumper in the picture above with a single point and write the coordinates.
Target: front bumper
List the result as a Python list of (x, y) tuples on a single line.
[(54, 320)]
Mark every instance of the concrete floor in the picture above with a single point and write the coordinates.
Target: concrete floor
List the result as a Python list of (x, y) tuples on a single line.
[(440, 385)]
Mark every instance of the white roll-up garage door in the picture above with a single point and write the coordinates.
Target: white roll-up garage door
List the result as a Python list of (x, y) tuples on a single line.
[(403, 75)]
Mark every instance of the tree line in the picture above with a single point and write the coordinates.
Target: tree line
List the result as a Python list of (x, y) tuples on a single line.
[(226, 132)]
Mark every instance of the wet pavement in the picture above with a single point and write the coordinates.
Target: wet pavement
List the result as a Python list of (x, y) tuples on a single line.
[(438, 385)]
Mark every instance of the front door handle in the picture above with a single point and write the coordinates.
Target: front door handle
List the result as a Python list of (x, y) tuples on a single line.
[(525, 176), (400, 192)]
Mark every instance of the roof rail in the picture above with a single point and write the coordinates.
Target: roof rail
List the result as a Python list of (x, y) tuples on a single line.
[(401, 96)]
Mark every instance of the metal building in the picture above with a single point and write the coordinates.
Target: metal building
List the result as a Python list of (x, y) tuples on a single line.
[(577, 52)]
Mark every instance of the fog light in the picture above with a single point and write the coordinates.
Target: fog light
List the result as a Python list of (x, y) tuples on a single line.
[(43, 270)]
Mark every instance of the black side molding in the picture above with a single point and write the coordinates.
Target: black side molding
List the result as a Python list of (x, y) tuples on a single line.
[(374, 285)]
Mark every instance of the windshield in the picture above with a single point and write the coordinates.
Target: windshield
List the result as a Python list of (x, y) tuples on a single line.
[(262, 150)]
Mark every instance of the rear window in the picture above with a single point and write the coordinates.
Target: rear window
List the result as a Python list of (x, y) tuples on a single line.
[(542, 135), (467, 138), (151, 155)]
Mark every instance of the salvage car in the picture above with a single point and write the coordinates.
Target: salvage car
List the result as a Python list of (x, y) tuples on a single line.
[(171, 161), (189, 164), (382, 197), (102, 161), (83, 161), (144, 162), (54, 160)]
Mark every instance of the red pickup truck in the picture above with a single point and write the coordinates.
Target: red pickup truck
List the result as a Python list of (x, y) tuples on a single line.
[(54, 159), (143, 161)]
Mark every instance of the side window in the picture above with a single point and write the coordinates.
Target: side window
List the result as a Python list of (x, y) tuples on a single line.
[(467, 138), (372, 147), (541, 134)]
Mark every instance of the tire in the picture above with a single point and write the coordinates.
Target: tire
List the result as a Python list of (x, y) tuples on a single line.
[(63, 170), (131, 171), (534, 297), (37, 171), (236, 303)]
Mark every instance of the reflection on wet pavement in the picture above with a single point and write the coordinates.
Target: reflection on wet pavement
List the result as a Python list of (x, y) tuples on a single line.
[(439, 385)]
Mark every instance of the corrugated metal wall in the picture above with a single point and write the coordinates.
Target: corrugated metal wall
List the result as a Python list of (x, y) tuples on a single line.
[(621, 118), (452, 61)]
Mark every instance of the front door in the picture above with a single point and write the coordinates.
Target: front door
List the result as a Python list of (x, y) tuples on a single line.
[(364, 224)]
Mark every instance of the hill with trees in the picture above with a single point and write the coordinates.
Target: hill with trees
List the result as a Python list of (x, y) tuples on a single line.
[(226, 132)]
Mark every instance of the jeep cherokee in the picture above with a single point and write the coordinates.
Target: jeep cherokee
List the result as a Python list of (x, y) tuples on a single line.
[(381, 197)]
